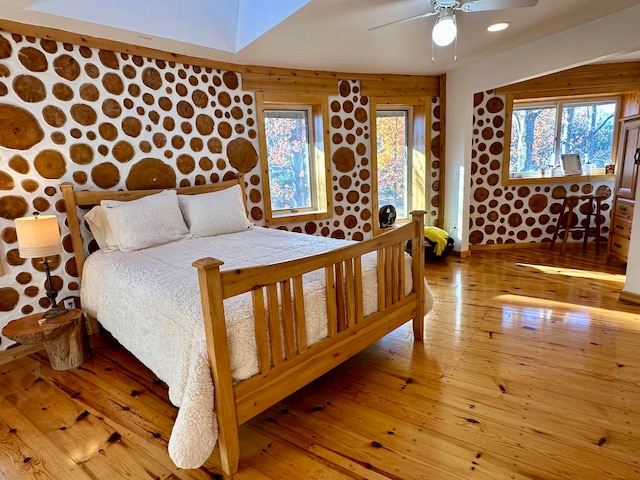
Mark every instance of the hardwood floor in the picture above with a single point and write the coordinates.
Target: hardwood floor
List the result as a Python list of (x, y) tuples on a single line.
[(530, 368)]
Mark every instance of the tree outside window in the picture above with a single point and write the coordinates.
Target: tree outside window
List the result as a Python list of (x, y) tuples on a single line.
[(540, 132), (288, 153), (393, 162)]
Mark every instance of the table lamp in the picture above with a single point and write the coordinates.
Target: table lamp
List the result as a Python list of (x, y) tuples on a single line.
[(39, 236)]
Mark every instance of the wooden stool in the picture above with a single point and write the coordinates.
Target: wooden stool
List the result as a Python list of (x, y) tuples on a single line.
[(570, 202), (64, 337)]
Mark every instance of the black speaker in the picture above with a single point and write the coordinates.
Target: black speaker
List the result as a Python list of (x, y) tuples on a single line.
[(387, 216)]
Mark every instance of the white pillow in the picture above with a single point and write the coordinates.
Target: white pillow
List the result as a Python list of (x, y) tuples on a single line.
[(215, 213), (99, 226), (146, 222)]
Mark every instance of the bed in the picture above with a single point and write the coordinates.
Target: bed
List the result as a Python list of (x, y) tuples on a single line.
[(234, 334)]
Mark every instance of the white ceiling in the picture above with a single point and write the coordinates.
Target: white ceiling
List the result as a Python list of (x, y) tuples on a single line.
[(330, 35)]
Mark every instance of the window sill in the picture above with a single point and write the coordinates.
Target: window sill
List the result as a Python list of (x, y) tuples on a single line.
[(558, 179), (283, 218)]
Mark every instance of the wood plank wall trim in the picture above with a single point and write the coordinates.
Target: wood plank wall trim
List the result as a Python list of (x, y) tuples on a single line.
[(259, 82), (13, 353), (589, 79), (400, 85), (256, 78)]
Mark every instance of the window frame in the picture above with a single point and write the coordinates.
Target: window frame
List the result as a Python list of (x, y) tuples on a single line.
[(319, 155), (408, 153), (558, 102), (419, 133)]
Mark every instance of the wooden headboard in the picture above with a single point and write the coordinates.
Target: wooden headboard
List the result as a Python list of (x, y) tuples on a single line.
[(88, 198)]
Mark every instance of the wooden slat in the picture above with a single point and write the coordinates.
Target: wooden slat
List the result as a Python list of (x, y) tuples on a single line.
[(388, 277), (395, 273), (350, 294), (332, 314), (340, 297), (381, 281), (358, 298), (401, 272), (287, 319), (260, 323), (301, 324), (275, 330)]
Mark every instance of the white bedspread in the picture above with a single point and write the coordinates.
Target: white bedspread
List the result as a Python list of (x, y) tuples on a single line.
[(150, 302)]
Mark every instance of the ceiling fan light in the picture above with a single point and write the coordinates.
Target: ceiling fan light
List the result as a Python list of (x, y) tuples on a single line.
[(444, 31)]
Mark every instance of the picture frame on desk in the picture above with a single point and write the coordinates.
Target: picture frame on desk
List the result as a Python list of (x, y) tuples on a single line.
[(571, 164)]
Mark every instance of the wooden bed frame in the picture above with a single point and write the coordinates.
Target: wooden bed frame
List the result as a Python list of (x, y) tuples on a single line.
[(285, 362)]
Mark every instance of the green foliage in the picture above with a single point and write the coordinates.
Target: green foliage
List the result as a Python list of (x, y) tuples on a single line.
[(391, 128), (288, 157), (586, 128)]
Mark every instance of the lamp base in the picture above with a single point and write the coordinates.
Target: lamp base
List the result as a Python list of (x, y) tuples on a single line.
[(52, 313)]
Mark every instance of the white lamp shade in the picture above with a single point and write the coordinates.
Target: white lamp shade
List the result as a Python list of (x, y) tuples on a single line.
[(444, 31), (38, 236)]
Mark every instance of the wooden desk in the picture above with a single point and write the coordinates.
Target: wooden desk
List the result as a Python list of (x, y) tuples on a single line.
[(64, 337)]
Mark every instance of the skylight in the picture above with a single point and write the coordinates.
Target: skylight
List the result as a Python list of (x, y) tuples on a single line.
[(228, 25)]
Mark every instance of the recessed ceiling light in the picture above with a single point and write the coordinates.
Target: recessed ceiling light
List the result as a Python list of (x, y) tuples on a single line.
[(496, 27)]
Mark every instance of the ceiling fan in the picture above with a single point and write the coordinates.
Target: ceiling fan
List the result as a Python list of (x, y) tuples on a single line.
[(445, 29)]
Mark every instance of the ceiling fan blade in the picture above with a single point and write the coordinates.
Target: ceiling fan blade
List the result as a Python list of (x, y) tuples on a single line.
[(485, 5), (415, 17)]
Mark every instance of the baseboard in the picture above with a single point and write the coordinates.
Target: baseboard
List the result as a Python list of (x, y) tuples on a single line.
[(509, 246), (629, 297), (13, 353)]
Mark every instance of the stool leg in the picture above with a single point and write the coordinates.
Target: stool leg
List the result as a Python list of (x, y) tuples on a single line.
[(558, 224), (567, 225), (598, 210), (587, 225)]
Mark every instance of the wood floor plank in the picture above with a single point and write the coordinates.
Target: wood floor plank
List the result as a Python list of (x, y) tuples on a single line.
[(26, 452)]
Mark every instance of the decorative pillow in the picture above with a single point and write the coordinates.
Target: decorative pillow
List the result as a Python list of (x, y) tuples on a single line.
[(100, 228), (146, 222), (215, 213)]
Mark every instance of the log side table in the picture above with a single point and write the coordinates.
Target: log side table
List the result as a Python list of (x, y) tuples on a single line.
[(64, 337)]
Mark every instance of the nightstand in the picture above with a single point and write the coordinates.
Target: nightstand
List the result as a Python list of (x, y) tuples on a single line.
[(64, 337)]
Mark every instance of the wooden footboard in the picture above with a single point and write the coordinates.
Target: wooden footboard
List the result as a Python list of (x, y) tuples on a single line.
[(285, 362)]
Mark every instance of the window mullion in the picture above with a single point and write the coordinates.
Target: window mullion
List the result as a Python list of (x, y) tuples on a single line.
[(558, 133)]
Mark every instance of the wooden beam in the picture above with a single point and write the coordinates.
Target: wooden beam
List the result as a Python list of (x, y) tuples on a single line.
[(260, 82), (400, 85), (592, 79)]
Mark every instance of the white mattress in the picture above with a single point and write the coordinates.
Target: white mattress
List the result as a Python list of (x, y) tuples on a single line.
[(149, 301)]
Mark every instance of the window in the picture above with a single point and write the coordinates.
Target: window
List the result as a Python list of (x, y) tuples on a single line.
[(393, 152), (542, 131), (289, 158), (293, 156)]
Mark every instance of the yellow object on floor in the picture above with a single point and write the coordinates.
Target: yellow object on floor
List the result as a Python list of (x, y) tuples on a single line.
[(438, 236)]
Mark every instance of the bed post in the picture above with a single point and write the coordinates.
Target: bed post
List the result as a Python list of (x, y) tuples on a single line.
[(218, 347), (73, 222), (417, 259)]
